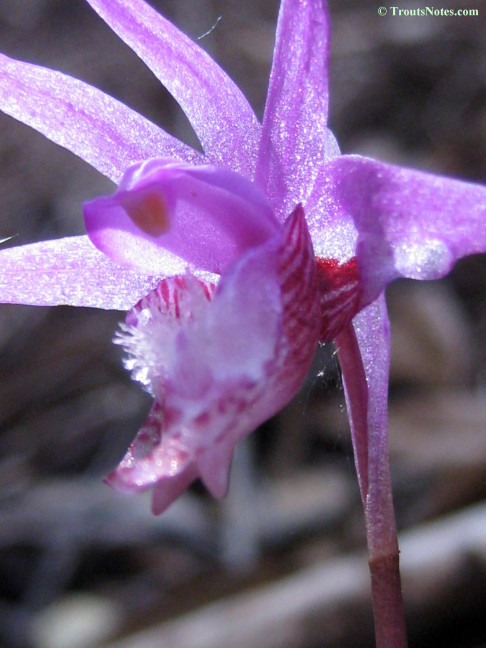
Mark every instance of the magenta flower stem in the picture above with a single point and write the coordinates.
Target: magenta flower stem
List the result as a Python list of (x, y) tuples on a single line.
[(373, 469), (386, 591), (384, 565)]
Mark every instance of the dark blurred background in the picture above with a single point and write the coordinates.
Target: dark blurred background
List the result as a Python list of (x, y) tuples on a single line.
[(280, 562)]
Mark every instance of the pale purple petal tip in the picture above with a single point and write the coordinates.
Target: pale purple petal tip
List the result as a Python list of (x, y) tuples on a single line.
[(168, 489), (205, 215), (214, 467)]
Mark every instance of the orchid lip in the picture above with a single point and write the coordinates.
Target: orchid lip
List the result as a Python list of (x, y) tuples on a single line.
[(218, 361)]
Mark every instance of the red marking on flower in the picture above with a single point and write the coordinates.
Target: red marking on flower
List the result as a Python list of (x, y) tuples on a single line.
[(166, 298), (149, 436), (203, 419), (297, 277), (172, 415), (340, 292)]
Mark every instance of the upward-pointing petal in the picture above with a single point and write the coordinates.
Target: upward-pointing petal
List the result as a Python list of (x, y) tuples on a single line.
[(92, 125), (217, 109), (295, 139)]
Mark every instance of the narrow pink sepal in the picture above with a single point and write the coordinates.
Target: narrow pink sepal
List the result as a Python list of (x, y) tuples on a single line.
[(217, 109), (295, 139), (97, 128), (205, 215), (72, 271)]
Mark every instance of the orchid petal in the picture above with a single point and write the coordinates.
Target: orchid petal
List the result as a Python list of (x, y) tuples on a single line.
[(167, 490), (97, 128), (295, 140), (214, 467), (410, 224), (226, 364), (147, 458), (205, 214), (72, 271), (218, 111)]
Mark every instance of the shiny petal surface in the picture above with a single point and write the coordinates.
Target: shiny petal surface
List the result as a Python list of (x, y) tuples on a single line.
[(95, 127), (205, 214), (409, 223), (295, 140), (72, 271), (228, 364), (218, 111), (333, 231)]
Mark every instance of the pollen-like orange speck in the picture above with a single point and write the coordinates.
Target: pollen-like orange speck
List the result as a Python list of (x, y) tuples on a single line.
[(149, 212)]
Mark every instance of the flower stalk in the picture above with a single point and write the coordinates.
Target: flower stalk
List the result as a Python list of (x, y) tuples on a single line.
[(374, 468), (386, 592)]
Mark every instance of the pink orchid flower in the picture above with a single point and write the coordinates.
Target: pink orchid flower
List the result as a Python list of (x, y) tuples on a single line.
[(236, 262)]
